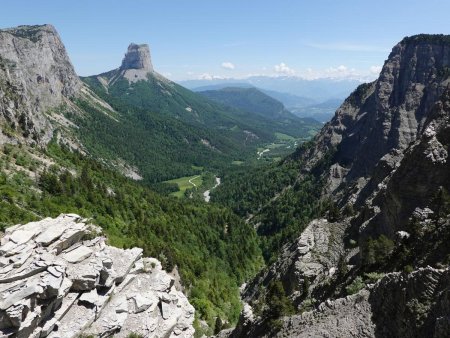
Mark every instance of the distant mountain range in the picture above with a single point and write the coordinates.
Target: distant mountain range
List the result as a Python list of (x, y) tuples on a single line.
[(318, 90), (254, 101), (304, 107), (322, 112)]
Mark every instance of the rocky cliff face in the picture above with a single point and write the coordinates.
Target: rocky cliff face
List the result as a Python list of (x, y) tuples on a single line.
[(388, 145), (137, 57), (399, 305), (382, 118), (36, 76), (58, 279), (136, 66)]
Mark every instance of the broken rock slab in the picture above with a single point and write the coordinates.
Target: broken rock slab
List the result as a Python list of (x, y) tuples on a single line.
[(55, 284)]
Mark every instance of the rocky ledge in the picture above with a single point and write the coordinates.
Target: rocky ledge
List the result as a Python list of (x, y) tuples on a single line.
[(59, 279)]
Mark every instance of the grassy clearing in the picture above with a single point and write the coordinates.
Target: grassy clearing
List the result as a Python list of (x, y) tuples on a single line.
[(284, 137), (185, 183), (276, 145)]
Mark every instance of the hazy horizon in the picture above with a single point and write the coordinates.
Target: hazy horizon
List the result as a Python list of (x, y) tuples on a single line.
[(234, 39)]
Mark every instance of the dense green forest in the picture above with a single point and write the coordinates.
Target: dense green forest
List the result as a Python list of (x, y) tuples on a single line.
[(275, 199), (164, 129), (160, 147), (214, 250)]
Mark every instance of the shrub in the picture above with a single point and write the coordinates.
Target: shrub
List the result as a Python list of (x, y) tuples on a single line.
[(334, 214), (376, 251), (135, 335), (278, 304), (348, 210), (355, 286), (372, 277), (408, 269)]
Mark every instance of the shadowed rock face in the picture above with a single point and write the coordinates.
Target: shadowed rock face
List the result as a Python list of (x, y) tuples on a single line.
[(390, 142), (137, 57), (382, 118)]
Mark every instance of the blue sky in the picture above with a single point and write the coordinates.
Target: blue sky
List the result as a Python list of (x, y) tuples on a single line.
[(193, 39)]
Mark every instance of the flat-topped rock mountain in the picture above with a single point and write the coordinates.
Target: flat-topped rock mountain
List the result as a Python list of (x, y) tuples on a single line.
[(59, 279), (137, 57), (136, 66), (137, 63)]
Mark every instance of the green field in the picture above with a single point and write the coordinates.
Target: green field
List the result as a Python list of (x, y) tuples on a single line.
[(184, 183), (285, 137)]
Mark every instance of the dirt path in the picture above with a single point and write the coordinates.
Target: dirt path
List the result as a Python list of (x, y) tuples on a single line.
[(193, 178), (207, 192)]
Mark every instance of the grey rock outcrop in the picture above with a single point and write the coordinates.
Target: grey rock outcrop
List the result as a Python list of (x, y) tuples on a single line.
[(136, 65), (398, 305), (308, 261), (137, 57), (36, 76), (55, 283)]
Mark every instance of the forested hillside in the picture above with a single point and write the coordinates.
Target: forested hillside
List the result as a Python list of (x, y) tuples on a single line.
[(258, 104), (275, 200), (214, 250), (165, 129)]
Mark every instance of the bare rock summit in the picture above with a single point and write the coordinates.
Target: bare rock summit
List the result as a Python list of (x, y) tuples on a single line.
[(137, 57), (137, 63)]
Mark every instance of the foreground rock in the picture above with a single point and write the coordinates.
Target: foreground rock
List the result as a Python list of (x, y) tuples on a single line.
[(54, 283)]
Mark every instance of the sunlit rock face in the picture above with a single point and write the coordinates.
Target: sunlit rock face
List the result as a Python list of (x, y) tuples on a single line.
[(59, 278)]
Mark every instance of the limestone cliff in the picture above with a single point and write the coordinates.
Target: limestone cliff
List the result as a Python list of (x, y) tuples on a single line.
[(137, 57), (381, 119), (35, 76), (60, 279), (389, 174), (136, 66)]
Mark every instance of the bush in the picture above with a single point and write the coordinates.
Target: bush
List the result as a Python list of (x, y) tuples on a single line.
[(135, 335), (355, 286), (218, 325), (334, 214), (408, 269), (372, 277), (348, 210), (278, 304), (376, 251)]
